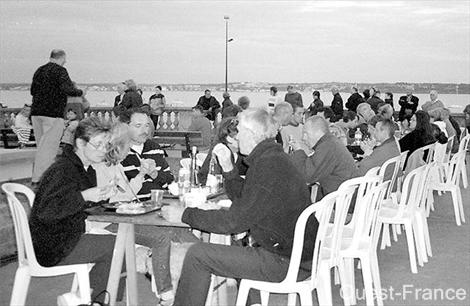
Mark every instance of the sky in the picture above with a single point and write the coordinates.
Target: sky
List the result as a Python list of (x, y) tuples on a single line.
[(273, 41)]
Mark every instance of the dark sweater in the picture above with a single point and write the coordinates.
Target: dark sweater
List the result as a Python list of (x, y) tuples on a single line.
[(131, 99), (353, 101), (57, 219), (374, 102), (294, 98), (50, 87), (407, 108), (337, 106), (208, 103), (267, 203)]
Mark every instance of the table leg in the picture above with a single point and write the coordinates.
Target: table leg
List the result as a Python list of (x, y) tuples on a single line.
[(130, 266), (116, 264)]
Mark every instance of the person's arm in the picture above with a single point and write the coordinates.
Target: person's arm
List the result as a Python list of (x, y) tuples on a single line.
[(66, 85), (34, 84), (315, 166)]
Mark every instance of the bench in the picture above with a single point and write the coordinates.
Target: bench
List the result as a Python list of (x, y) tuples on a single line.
[(179, 140), (10, 140)]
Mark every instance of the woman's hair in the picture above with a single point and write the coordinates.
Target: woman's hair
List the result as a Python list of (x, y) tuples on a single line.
[(130, 84), (227, 127), (119, 144), (423, 126), (89, 127)]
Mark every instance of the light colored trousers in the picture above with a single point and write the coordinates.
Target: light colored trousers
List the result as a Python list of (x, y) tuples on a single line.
[(48, 132)]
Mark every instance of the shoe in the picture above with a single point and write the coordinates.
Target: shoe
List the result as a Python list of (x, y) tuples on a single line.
[(167, 298)]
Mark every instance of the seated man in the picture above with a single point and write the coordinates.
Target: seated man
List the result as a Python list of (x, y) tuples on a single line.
[(293, 131), (199, 122), (384, 134), (267, 204), (283, 112), (145, 164), (344, 126), (330, 164)]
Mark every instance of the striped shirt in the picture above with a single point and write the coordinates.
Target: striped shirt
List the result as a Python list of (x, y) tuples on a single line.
[(131, 166)]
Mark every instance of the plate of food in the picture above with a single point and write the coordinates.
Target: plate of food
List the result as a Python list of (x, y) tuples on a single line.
[(131, 208)]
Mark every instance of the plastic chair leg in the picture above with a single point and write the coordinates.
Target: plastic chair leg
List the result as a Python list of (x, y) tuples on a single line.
[(84, 286), (411, 247), (419, 241), (374, 265), (348, 285), (385, 236), (464, 176), (459, 198), (305, 297), (324, 287), (455, 202), (242, 296), (367, 277), (264, 298), (427, 239), (20, 286), (394, 232)]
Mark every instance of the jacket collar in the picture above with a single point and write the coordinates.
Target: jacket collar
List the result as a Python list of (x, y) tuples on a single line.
[(260, 149), (323, 139)]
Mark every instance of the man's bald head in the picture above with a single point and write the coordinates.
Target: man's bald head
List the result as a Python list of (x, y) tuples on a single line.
[(315, 128), (283, 113)]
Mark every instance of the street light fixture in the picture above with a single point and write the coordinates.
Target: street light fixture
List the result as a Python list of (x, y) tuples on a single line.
[(227, 40)]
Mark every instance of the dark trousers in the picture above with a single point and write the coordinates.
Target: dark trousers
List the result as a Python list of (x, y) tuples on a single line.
[(97, 249), (204, 259)]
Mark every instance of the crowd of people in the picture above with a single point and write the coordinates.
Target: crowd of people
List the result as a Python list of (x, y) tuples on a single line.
[(268, 157)]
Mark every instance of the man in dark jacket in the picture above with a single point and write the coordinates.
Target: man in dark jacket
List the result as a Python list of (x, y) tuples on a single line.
[(315, 106), (374, 100), (337, 103), (293, 97), (209, 105), (50, 87), (354, 100), (408, 104), (266, 203)]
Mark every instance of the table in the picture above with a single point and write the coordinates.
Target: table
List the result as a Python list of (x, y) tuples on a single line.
[(125, 247)]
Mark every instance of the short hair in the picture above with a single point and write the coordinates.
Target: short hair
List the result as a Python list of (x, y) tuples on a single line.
[(362, 107), (198, 108), (57, 53), (207, 90), (328, 113), (260, 122), (158, 87), (282, 107), (130, 84), (290, 87), (319, 123), (126, 116), (334, 88), (244, 102), (389, 125), (388, 93), (316, 93), (90, 127), (225, 95), (231, 111), (354, 88), (273, 89), (349, 116), (385, 107), (366, 94), (433, 92), (227, 127)]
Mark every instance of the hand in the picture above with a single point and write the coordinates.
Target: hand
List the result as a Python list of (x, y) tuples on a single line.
[(299, 145), (172, 214), (367, 146), (97, 194), (224, 156), (147, 166)]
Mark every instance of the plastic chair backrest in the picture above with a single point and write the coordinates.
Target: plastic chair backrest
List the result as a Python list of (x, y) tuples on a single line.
[(464, 143), (450, 145), (410, 195), (185, 163), (395, 163), (368, 213), (373, 171), (403, 156), (200, 158), (440, 150), (454, 168), (24, 242), (430, 150), (463, 133)]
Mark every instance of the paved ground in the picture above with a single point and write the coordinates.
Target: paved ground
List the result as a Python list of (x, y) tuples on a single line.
[(444, 280)]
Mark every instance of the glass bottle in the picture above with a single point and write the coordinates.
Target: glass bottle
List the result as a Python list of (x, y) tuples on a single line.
[(290, 149), (193, 171)]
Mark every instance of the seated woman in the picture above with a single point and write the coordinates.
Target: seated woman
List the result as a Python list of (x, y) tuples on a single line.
[(441, 118), (421, 134), (225, 137), (157, 238), (66, 189)]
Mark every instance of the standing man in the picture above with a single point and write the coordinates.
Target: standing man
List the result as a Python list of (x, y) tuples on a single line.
[(121, 88), (266, 204), (273, 99), (408, 103), (50, 87), (354, 100), (293, 97), (209, 105), (337, 103)]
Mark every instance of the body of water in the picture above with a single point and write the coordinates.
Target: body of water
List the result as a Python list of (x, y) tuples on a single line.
[(16, 98)]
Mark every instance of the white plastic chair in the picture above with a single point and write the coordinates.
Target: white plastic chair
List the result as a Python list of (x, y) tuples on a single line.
[(463, 147), (185, 163), (324, 258), (405, 214), (451, 183), (363, 245), (27, 264), (200, 158)]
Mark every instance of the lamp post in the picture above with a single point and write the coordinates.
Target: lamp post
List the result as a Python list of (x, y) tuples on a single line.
[(226, 18)]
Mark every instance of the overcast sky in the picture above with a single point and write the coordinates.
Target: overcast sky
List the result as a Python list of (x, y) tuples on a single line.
[(274, 41)]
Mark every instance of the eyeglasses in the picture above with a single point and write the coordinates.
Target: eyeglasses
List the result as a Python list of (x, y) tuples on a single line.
[(99, 146)]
